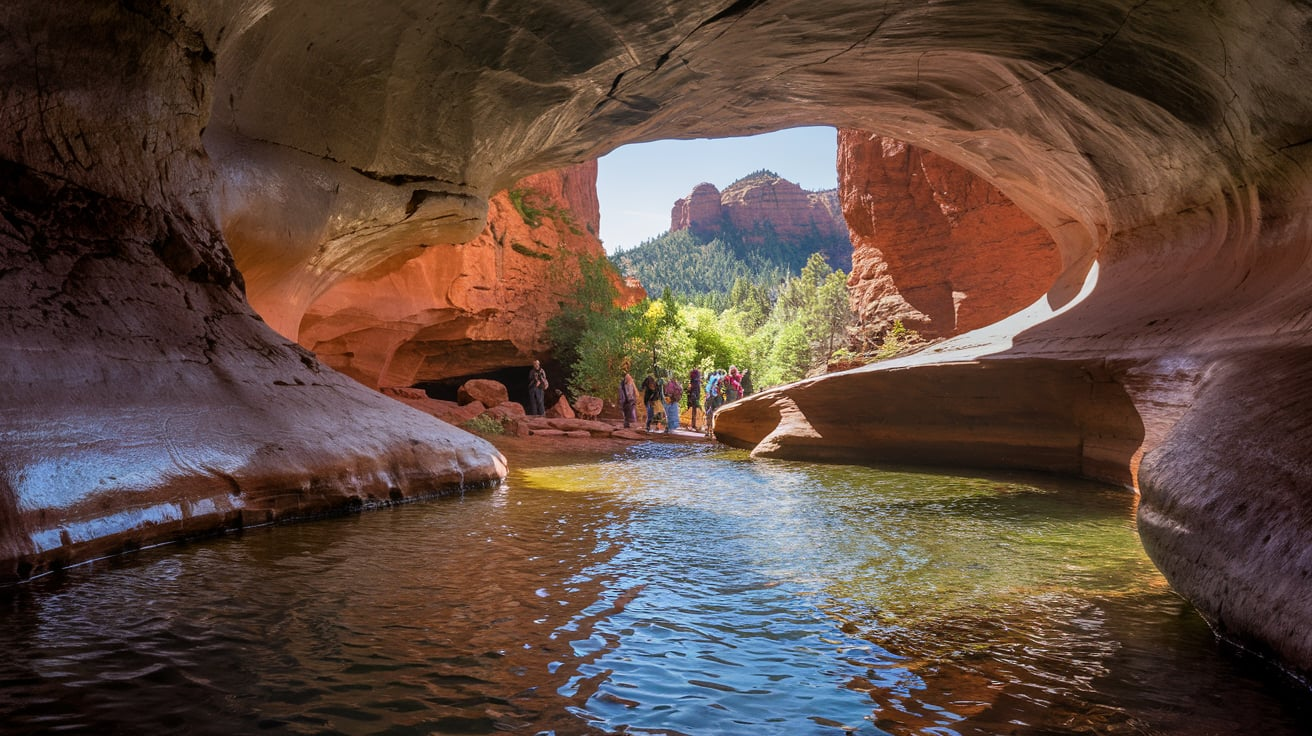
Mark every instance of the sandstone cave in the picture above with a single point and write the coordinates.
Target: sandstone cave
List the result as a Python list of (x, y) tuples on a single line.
[(172, 168)]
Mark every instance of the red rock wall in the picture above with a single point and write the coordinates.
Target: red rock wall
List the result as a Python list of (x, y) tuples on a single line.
[(933, 245), (700, 211), (789, 209), (445, 310), (143, 400)]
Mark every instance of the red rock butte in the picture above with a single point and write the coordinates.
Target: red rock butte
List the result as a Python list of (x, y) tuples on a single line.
[(763, 198), (1166, 148)]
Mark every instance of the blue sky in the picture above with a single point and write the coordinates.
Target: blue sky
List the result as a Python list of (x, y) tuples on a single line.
[(637, 184)]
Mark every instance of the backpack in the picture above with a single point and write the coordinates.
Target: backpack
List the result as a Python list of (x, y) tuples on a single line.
[(673, 391)]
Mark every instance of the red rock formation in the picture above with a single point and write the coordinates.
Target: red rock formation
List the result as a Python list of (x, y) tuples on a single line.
[(700, 211), (933, 245), (760, 200), (146, 146), (789, 209), (488, 393), (445, 310), (144, 401)]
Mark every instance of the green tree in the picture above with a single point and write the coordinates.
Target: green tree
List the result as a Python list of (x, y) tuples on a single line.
[(589, 307), (807, 325), (605, 350), (717, 341), (790, 356), (829, 316), (752, 301)]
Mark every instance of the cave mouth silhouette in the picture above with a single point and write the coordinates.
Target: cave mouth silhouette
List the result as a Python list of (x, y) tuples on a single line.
[(514, 378)]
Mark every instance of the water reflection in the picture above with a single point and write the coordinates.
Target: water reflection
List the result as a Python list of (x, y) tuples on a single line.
[(671, 590)]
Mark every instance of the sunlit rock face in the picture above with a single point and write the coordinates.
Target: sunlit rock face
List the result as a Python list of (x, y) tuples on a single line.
[(763, 201), (439, 310), (934, 246), (1163, 146), (700, 211)]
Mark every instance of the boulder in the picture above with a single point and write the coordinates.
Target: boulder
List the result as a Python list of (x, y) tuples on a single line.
[(588, 407), (451, 412), (560, 409), (510, 409), (483, 390)]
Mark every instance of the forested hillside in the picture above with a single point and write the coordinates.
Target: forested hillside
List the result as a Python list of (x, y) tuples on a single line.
[(761, 228), (693, 266)]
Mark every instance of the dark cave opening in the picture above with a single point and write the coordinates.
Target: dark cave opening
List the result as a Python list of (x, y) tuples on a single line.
[(514, 378)]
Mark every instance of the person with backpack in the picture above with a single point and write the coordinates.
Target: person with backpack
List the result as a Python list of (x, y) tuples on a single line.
[(673, 393), (733, 390), (628, 400), (651, 394), (537, 387), (712, 398), (694, 396)]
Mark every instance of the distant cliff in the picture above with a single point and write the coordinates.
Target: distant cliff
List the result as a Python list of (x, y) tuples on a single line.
[(761, 202), (761, 228)]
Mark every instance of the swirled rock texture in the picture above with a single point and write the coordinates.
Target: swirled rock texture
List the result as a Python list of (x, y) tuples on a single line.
[(143, 400), (934, 246), (441, 310), (148, 145)]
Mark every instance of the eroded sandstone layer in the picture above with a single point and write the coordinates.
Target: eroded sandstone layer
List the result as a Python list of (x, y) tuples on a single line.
[(440, 310), (143, 400), (934, 246), (1164, 146)]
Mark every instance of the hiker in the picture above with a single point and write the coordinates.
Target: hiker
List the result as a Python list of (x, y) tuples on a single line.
[(651, 393), (733, 389), (694, 396), (537, 387), (629, 400), (712, 398), (746, 381), (673, 393)]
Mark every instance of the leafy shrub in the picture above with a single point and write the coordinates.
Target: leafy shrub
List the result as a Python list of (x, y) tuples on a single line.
[(897, 340), (519, 199), (524, 250), (484, 424)]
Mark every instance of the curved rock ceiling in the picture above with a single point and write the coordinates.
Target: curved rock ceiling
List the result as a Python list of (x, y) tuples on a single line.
[(1164, 145)]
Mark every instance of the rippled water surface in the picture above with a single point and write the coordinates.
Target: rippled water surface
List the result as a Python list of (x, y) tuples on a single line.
[(671, 590)]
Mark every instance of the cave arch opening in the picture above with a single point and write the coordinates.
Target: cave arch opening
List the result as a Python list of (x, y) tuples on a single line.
[(940, 249)]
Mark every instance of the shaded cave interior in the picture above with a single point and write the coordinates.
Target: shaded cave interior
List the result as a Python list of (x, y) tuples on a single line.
[(514, 378)]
